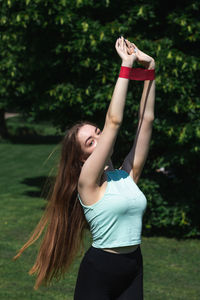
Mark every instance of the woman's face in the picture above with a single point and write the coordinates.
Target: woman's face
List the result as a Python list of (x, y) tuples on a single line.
[(88, 136)]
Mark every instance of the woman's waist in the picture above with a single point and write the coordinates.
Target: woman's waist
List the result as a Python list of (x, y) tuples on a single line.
[(120, 250)]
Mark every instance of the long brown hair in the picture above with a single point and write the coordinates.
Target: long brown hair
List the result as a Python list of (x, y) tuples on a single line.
[(63, 218)]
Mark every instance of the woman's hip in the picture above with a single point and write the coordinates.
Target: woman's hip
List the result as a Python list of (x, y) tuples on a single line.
[(114, 264)]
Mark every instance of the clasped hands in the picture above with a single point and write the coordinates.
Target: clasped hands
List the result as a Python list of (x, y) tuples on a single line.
[(129, 53)]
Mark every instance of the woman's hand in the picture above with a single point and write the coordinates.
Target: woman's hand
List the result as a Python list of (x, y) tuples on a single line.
[(146, 60), (123, 51)]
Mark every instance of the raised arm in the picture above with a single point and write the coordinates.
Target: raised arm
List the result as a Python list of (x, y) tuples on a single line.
[(94, 165), (135, 160)]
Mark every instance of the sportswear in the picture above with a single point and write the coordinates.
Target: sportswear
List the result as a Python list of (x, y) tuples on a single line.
[(137, 73), (104, 275), (116, 219)]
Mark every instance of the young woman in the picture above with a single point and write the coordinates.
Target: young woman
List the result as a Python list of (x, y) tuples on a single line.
[(90, 193)]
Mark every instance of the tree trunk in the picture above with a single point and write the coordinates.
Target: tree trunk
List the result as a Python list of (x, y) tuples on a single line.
[(3, 127)]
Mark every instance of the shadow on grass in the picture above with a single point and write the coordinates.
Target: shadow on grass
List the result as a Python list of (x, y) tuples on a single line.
[(169, 232), (31, 133), (35, 139), (43, 185)]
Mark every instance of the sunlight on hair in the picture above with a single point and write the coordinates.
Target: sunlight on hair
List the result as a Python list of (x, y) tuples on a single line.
[(52, 152)]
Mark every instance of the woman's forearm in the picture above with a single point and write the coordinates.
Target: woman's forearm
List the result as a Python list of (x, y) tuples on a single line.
[(117, 104), (116, 108), (147, 102)]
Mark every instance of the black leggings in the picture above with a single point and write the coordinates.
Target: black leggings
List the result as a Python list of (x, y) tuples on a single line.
[(110, 276)]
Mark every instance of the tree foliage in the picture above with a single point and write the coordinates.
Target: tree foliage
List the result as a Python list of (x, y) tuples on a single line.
[(58, 62)]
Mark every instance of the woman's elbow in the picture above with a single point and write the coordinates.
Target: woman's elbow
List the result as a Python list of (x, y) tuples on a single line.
[(113, 120), (149, 118)]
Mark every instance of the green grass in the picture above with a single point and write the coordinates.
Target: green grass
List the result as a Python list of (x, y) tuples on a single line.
[(171, 267)]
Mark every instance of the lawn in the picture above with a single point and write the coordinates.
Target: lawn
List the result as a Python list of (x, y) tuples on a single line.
[(171, 266)]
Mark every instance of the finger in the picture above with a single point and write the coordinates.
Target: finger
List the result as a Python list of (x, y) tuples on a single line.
[(128, 43), (134, 45), (123, 44), (132, 50), (125, 48), (117, 43), (129, 51), (128, 48), (135, 49), (120, 43)]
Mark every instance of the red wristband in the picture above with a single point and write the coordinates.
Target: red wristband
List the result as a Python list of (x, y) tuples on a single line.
[(136, 73)]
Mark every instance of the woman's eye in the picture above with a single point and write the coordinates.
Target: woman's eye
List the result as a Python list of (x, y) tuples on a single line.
[(99, 131), (91, 143)]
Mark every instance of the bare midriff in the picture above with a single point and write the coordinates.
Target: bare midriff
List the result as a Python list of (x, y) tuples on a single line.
[(120, 250)]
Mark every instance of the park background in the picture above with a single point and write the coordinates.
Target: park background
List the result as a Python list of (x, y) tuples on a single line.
[(59, 65)]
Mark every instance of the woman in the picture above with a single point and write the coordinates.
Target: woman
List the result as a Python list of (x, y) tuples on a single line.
[(109, 201)]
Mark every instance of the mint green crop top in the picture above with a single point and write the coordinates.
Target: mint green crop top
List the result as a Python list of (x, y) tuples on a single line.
[(116, 219)]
